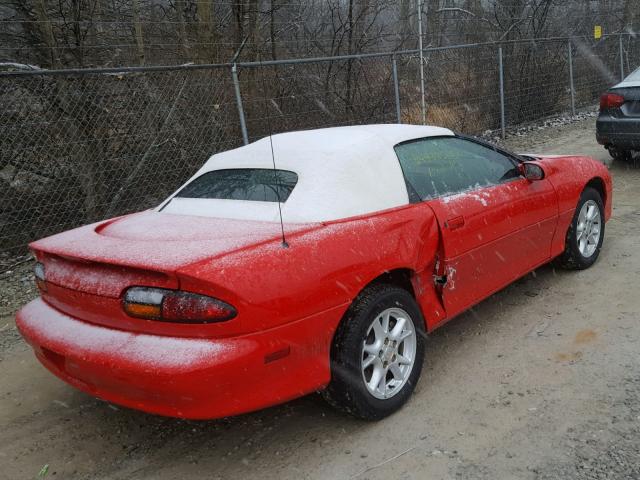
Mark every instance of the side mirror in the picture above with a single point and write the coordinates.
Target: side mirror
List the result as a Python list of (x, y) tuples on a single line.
[(531, 171)]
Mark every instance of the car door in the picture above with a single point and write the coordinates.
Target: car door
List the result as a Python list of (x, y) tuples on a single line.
[(495, 225)]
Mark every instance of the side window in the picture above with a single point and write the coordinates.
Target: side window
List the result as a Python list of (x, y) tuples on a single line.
[(439, 166)]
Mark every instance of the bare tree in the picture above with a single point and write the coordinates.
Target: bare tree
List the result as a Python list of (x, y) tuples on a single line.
[(137, 29), (632, 15), (47, 31)]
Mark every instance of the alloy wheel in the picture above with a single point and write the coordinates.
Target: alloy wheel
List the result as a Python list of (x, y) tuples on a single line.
[(388, 353)]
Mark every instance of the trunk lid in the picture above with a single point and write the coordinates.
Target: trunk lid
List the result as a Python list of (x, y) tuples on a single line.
[(159, 241), (88, 269)]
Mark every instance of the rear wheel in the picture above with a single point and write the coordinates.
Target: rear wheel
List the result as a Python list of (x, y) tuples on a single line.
[(620, 154), (377, 353), (586, 233)]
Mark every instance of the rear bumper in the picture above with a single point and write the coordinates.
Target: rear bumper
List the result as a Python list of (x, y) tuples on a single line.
[(618, 132), (182, 377)]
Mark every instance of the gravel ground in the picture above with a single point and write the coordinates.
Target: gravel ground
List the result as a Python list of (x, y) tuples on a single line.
[(541, 381), (17, 288)]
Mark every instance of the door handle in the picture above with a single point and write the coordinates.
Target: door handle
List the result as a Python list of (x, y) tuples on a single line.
[(455, 222)]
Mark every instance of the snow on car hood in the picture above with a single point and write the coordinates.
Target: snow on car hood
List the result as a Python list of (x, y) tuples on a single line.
[(160, 240)]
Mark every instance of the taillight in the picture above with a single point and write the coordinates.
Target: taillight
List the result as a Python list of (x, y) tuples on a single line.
[(175, 306), (38, 272), (611, 100)]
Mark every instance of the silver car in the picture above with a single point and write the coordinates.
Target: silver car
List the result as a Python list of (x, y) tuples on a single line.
[(618, 126)]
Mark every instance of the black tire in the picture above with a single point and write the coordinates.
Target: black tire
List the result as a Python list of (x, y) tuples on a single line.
[(572, 258), (619, 154), (347, 390)]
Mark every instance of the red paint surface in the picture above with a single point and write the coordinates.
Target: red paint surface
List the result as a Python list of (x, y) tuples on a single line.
[(288, 299)]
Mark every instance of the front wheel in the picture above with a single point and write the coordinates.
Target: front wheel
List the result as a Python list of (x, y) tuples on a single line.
[(377, 353), (586, 233)]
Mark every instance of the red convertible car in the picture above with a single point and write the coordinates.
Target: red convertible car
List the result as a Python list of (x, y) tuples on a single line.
[(209, 305)]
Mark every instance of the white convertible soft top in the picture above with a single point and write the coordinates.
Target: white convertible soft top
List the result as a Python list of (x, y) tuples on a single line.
[(342, 172)]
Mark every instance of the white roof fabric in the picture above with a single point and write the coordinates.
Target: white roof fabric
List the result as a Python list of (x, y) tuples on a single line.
[(342, 172)]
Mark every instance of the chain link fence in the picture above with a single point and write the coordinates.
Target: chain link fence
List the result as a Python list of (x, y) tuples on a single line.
[(312, 94), (631, 52), (79, 146)]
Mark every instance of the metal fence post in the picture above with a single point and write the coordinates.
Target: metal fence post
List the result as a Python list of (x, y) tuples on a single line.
[(421, 55), (621, 58), (571, 84), (236, 87), (503, 125), (396, 88)]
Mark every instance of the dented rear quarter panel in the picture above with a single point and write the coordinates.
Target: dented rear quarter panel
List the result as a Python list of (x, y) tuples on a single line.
[(322, 268)]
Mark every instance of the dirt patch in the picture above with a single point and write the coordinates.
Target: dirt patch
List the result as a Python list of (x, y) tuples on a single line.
[(18, 288), (585, 336), (568, 357)]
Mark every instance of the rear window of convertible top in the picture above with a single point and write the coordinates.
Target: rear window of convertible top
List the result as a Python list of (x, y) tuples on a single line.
[(253, 184)]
